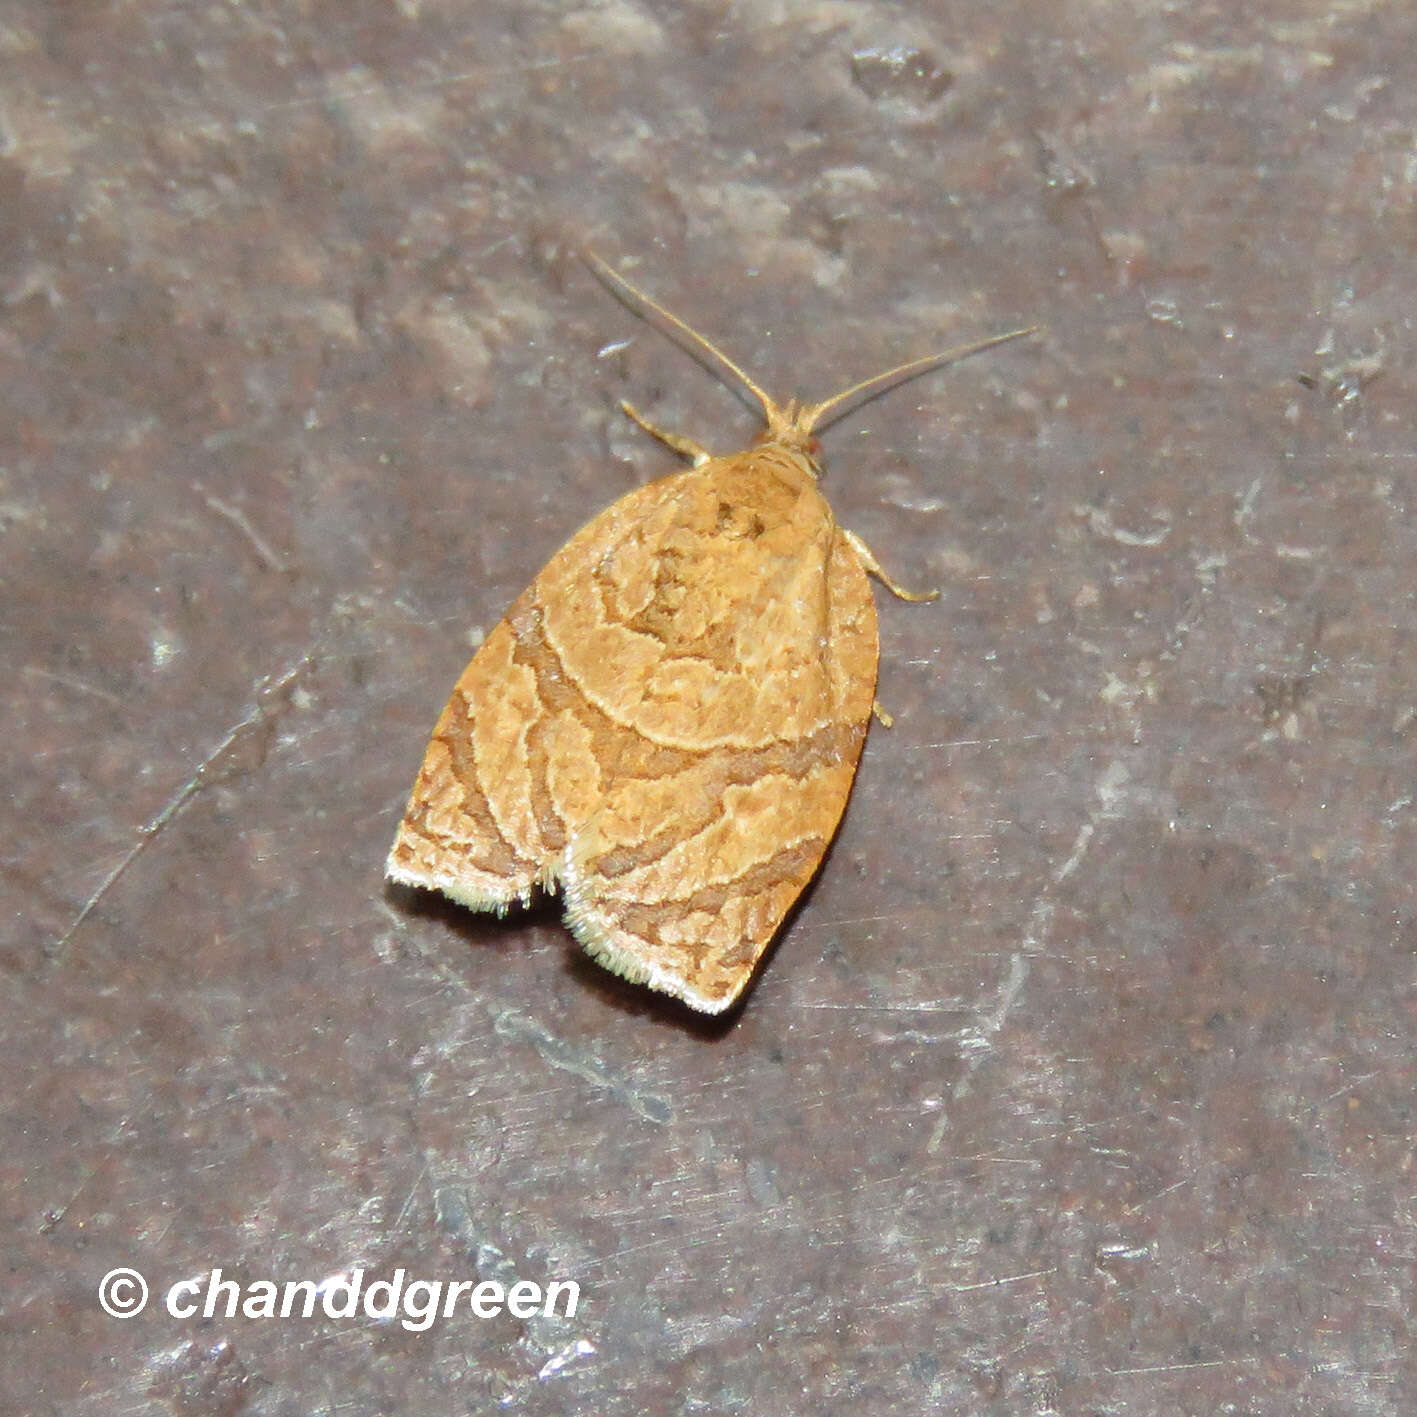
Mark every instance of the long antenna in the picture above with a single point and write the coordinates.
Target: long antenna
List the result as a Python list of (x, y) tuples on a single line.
[(822, 415), (805, 418), (685, 336)]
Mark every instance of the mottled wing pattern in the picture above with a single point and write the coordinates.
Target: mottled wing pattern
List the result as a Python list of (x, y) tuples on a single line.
[(667, 724)]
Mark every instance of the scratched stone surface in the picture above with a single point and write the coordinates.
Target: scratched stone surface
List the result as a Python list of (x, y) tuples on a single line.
[(1082, 1080)]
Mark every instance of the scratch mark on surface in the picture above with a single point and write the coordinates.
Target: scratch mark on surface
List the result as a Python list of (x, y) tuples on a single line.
[(1332, 1097), (999, 1283), (581, 1348), (150, 831), (508, 1023), (849, 1204), (1101, 524), (1244, 513), (54, 1218), (976, 1043), (977, 742), (408, 1200), (1008, 996), (1111, 789), (909, 1008), (1170, 1368), (34, 672), (1080, 845), (1142, 1206), (838, 920), (265, 553)]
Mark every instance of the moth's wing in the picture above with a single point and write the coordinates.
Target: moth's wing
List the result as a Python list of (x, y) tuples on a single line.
[(727, 652), (667, 722), (458, 835), (511, 761)]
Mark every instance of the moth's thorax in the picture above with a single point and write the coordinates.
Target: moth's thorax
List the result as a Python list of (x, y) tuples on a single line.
[(773, 485)]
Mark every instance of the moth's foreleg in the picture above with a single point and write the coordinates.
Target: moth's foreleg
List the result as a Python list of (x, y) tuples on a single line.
[(685, 447)]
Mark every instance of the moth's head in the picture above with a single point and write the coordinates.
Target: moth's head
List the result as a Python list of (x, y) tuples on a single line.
[(793, 426)]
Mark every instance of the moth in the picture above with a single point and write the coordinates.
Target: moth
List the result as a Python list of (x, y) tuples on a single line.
[(666, 724)]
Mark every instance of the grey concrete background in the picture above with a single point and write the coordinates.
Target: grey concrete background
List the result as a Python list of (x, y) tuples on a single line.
[(1082, 1081)]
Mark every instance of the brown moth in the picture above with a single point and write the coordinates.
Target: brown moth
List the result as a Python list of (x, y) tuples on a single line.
[(667, 723)]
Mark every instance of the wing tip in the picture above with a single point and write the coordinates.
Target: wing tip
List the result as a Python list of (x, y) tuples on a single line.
[(429, 877), (627, 956)]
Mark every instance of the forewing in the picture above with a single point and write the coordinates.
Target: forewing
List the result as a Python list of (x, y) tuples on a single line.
[(510, 767), (735, 653)]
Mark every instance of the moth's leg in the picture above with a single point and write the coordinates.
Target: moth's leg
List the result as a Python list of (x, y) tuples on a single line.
[(685, 447), (873, 567)]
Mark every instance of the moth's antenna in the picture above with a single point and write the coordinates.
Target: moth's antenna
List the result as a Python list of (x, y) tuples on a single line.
[(685, 336), (809, 418), (815, 417)]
